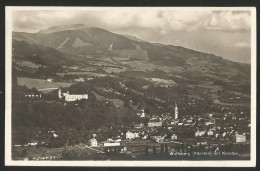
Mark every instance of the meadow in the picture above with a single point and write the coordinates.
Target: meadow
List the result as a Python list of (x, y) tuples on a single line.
[(40, 83)]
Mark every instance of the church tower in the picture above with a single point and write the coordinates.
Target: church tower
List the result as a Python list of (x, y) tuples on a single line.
[(59, 93), (176, 111)]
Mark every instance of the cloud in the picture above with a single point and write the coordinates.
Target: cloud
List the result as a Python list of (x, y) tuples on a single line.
[(228, 21), (223, 32), (242, 45), (162, 21)]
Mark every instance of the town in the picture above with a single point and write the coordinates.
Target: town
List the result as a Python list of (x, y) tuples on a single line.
[(165, 136)]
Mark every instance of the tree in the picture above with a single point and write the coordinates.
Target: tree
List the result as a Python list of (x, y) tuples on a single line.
[(154, 150), (24, 152), (166, 149), (162, 149), (146, 150)]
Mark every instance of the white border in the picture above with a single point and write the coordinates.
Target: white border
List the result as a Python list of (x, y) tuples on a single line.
[(176, 163)]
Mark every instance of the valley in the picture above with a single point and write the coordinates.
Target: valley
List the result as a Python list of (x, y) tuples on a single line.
[(122, 76)]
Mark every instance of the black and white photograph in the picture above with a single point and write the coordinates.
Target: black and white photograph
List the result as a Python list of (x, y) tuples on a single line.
[(124, 86)]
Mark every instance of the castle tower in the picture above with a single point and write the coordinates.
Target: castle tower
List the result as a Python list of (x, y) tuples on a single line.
[(176, 111), (59, 93)]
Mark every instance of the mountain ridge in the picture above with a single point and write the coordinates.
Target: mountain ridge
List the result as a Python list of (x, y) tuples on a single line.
[(83, 41)]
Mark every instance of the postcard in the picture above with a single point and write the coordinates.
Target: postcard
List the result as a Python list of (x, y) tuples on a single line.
[(130, 86)]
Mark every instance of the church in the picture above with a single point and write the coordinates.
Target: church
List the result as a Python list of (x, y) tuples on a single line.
[(72, 97), (176, 111)]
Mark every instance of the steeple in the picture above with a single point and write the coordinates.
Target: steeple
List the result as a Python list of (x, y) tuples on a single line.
[(176, 111), (59, 93)]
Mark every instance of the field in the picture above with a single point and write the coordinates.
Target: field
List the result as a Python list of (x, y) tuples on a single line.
[(159, 81), (117, 102), (27, 64), (209, 85), (40, 83), (89, 74)]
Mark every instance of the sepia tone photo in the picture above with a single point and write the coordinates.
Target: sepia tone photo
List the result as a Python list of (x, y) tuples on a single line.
[(124, 86)]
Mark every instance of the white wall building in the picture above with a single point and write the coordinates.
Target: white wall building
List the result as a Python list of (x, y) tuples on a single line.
[(109, 144), (142, 114), (174, 137), (49, 80), (176, 111), (199, 133), (210, 132), (33, 95), (240, 138), (131, 135), (79, 80), (154, 124), (72, 97), (92, 142)]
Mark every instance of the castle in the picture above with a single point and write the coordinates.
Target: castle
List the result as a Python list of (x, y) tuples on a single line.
[(72, 97)]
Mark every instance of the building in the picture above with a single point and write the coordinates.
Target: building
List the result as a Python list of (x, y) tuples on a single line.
[(139, 126), (131, 135), (210, 133), (202, 142), (33, 143), (174, 137), (92, 142), (212, 122), (176, 111), (240, 138), (189, 121), (33, 96), (199, 133), (142, 114), (115, 149), (157, 138), (49, 80), (109, 144), (79, 80), (72, 97), (55, 135), (155, 124)]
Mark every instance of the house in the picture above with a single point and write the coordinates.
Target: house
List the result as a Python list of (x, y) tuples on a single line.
[(199, 133), (180, 124), (118, 140), (109, 144), (174, 137), (131, 135), (119, 149), (92, 142), (189, 121), (210, 132), (145, 137), (169, 127), (139, 126), (33, 143), (141, 114), (240, 138), (157, 138), (79, 80), (49, 80), (209, 123), (211, 115), (202, 142), (154, 124), (33, 96), (55, 135)]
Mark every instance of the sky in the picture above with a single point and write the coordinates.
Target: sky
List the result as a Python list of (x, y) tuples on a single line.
[(226, 33)]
